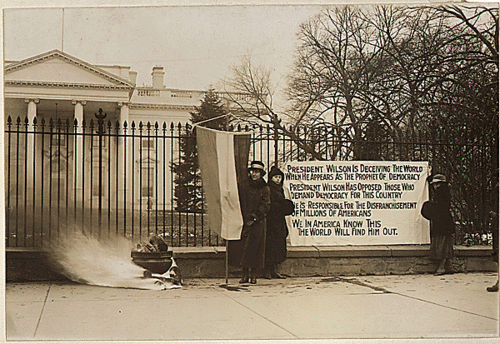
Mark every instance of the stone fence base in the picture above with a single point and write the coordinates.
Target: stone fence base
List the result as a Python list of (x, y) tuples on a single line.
[(27, 264)]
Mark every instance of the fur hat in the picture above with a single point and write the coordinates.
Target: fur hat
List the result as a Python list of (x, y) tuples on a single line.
[(275, 171), (257, 165), (438, 178)]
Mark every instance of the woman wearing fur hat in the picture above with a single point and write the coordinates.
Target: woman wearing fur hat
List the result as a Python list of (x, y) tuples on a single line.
[(248, 252), (442, 226), (277, 230)]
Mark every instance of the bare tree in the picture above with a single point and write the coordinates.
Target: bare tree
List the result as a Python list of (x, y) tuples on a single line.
[(382, 70), (251, 95)]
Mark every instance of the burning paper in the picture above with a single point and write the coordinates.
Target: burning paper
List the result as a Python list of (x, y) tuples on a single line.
[(105, 262)]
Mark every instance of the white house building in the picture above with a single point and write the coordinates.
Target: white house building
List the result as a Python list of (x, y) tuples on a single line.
[(58, 84), (66, 166)]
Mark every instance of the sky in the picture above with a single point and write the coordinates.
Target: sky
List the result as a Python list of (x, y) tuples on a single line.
[(195, 44)]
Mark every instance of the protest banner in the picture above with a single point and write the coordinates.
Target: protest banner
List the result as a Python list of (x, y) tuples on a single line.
[(357, 202)]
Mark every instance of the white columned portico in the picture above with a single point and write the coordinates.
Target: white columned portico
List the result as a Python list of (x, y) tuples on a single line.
[(78, 147)]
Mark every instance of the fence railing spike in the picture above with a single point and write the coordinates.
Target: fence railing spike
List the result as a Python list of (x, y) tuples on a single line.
[(127, 183)]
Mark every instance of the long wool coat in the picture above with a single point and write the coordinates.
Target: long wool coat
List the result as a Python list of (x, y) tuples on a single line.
[(277, 230), (442, 225), (249, 251)]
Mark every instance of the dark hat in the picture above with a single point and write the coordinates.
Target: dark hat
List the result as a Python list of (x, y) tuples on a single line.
[(257, 165), (275, 171), (438, 178)]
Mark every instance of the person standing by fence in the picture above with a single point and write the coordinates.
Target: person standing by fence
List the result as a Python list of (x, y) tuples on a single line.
[(494, 227), (248, 252), (442, 226), (277, 230)]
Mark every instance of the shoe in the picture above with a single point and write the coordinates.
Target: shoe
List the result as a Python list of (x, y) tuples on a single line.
[(268, 275), (244, 279), (439, 273), (493, 288), (253, 279)]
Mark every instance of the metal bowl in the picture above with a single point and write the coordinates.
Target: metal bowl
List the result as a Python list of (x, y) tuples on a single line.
[(156, 262)]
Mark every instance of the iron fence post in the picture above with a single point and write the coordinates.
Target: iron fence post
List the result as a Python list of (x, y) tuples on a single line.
[(276, 122), (100, 132)]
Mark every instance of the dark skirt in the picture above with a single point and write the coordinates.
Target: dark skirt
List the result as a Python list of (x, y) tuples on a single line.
[(441, 247), (276, 242), (495, 244), (249, 251)]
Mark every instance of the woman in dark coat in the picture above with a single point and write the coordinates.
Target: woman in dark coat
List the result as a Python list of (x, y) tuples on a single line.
[(494, 231), (248, 252), (442, 226), (277, 230)]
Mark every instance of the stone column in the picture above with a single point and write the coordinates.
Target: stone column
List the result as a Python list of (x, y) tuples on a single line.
[(123, 176), (78, 111), (78, 143), (123, 113), (32, 107), (30, 152)]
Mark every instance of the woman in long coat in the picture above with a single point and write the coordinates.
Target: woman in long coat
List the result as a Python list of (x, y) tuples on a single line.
[(277, 230), (494, 231), (442, 225), (248, 252)]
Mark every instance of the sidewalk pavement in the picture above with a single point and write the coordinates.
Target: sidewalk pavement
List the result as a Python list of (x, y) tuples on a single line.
[(395, 306)]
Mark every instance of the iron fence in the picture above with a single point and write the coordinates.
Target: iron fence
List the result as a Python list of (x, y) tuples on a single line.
[(117, 179)]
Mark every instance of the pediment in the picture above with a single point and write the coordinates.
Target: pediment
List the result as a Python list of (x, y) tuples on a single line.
[(57, 68)]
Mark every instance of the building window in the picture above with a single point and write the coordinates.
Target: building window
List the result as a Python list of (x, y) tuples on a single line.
[(147, 182), (58, 140), (95, 182), (95, 141), (148, 143)]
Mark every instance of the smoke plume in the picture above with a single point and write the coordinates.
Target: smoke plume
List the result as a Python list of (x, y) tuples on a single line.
[(103, 262)]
